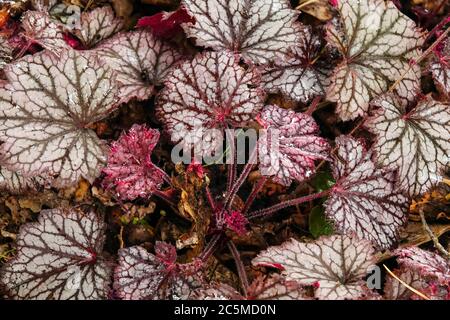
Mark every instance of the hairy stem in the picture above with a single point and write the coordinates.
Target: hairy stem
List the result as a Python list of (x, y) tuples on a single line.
[(252, 196), (211, 247), (210, 198), (271, 210), (239, 266), (313, 106), (232, 168), (433, 237)]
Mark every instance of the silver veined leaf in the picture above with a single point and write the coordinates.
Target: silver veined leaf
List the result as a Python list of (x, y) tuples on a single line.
[(416, 141), (45, 113), (97, 25), (141, 60), (395, 290), (289, 145), (6, 52), (440, 68), (43, 5), (41, 29), (336, 265), (259, 29), (295, 74), (273, 287), (141, 275), (426, 263), (59, 257), (377, 42), (15, 182), (211, 91), (365, 200)]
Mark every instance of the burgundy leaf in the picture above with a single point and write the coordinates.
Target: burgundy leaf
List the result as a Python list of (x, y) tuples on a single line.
[(259, 29), (59, 257), (290, 145), (141, 61), (45, 113), (414, 140), (130, 171), (364, 200), (141, 275), (336, 265), (166, 24), (211, 91)]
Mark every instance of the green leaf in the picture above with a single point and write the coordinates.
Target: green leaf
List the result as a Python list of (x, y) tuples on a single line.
[(322, 181), (318, 224)]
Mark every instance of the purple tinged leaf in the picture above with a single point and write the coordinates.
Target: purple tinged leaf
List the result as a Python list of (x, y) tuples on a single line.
[(290, 145), (377, 42), (426, 263), (365, 200), (440, 68), (97, 25), (45, 113), (59, 257), (259, 29), (416, 141), (130, 171), (295, 74), (141, 60), (211, 91), (39, 28), (336, 265), (141, 275), (395, 290), (6, 52)]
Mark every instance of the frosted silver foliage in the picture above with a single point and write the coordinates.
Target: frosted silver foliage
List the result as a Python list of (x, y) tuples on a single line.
[(259, 29), (45, 113), (5, 52), (365, 199), (59, 257), (440, 68), (97, 25), (395, 290), (40, 28), (295, 74), (15, 182), (141, 61), (211, 91), (416, 141), (377, 42), (336, 265), (290, 145), (141, 275)]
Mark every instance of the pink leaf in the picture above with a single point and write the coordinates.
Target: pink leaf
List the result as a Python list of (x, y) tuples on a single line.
[(141, 61), (365, 200), (141, 275), (59, 257), (166, 24), (130, 171), (290, 145), (259, 29), (336, 264), (210, 92)]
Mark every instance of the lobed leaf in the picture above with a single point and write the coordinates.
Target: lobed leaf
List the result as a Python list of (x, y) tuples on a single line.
[(97, 25), (365, 200), (141, 275), (336, 265), (377, 42), (416, 141), (141, 61), (290, 145), (211, 91), (130, 171), (59, 257), (259, 29), (45, 113), (15, 182), (440, 68)]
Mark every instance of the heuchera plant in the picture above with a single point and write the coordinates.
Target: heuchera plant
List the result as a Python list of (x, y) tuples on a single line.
[(82, 105)]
